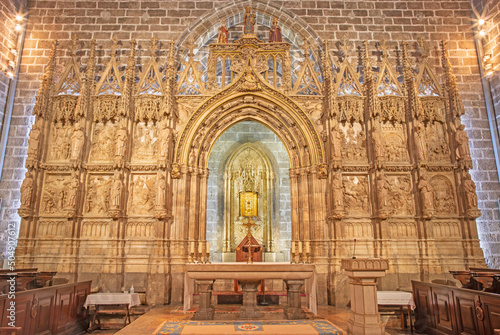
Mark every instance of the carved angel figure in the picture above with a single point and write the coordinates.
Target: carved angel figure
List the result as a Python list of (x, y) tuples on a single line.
[(26, 190), (223, 35), (275, 32)]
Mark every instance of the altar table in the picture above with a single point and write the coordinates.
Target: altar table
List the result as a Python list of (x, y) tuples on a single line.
[(110, 299), (249, 272), (397, 298)]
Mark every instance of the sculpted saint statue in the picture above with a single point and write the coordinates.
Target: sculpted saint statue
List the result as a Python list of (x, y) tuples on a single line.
[(121, 141), (426, 192), (338, 191), (250, 82), (116, 191), (335, 142), (162, 186), (419, 137), (223, 35), (33, 142), (377, 144), (72, 189), (76, 142), (383, 188), (165, 139), (275, 32), (470, 191), (248, 21), (26, 190), (463, 151)]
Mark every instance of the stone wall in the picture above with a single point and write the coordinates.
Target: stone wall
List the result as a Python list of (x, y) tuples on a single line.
[(394, 21)]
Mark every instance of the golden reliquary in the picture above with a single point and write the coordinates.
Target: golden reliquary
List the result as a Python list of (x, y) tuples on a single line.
[(249, 204)]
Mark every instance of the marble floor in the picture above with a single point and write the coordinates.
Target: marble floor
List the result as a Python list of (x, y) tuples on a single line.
[(149, 322)]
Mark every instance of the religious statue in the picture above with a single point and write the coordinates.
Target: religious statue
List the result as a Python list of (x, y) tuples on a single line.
[(121, 141), (383, 189), (470, 191), (338, 191), (76, 142), (175, 172), (116, 191), (27, 190), (462, 141), (248, 21), (378, 144), (71, 190), (165, 139), (223, 35), (275, 32), (161, 185), (426, 192), (33, 142), (250, 83), (335, 142), (419, 137)]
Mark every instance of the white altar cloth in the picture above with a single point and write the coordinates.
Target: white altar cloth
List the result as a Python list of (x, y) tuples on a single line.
[(395, 298), (257, 271), (130, 299)]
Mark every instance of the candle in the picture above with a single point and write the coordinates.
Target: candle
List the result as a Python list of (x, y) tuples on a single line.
[(300, 247), (208, 247), (200, 247), (191, 247), (293, 247), (308, 247)]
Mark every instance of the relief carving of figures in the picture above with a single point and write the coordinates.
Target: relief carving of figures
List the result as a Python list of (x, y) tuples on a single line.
[(116, 190), (145, 143), (33, 141), (427, 195), (400, 195), (61, 142), (250, 83), (248, 21), (462, 141), (98, 194), (275, 32), (419, 138), (395, 149), (353, 142), (444, 201), (437, 143), (71, 190), (223, 35), (142, 195), (76, 143), (27, 190), (54, 194), (470, 192), (356, 199), (103, 142)]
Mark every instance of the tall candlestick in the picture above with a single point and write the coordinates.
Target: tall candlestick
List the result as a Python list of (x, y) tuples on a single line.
[(208, 247), (191, 247), (200, 247), (308, 247), (300, 247), (293, 247)]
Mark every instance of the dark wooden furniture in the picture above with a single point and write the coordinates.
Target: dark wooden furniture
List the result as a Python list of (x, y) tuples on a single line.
[(242, 251), (49, 310), (442, 309)]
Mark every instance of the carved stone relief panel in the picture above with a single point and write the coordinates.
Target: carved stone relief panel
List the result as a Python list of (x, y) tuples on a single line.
[(395, 149), (95, 228), (145, 142), (97, 196), (54, 194), (363, 229), (59, 147), (140, 229), (356, 195), (404, 229), (142, 194), (444, 199), (103, 142), (52, 228), (353, 138), (437, 143), (400, 197), (445, 229)]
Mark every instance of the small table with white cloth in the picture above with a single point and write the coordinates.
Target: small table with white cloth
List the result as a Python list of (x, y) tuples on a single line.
[(111, 299), (397, 298)]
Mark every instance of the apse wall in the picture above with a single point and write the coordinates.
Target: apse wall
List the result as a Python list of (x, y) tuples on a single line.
[(239, 134), (394, 21)]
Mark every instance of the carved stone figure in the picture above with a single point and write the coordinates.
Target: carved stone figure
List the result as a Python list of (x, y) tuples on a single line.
[(223, 35), (426, 192), (462, 140), (470, 191), (335, 142), (419, 138), (77, 139), (383, 189), (250, 82), (33, 142), (103, 142), (248, 21), (165, 140), (121, 141), (116, 191), (338, 192), (72, 190), (26, 190), (160, 193), (378, 144), (275, 32)]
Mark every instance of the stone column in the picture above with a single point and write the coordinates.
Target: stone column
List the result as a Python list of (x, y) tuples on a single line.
[(205, 310), (249, 310), (294, 309), (363, 274)]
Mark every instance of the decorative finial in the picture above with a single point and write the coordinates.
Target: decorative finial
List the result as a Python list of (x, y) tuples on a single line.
[(74, 45), (423, 47), (305, 46), (154, 46), (190, 45), (114, 46), (383, 48), (344, 45)]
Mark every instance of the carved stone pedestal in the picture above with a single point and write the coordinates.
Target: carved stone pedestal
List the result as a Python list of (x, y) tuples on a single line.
[(294, 309), (249, 310), (205, 310), (363, 274)]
